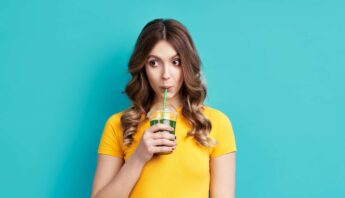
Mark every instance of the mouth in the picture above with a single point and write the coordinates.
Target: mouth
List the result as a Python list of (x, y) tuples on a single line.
[(169, 88)]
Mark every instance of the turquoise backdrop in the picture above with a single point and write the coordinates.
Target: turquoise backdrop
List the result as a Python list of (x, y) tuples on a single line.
[(276, 68)]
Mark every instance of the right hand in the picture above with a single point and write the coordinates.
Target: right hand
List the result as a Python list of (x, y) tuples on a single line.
[(154, 141)]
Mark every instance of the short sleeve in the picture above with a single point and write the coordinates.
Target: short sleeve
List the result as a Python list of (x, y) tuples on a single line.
[(110, 143), (224, 135)]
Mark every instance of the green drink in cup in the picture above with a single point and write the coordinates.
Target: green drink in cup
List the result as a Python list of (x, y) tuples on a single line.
[(166, 116), (163, 113)]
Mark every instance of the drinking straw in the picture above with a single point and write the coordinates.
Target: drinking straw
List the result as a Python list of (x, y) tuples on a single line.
[(164, 101)]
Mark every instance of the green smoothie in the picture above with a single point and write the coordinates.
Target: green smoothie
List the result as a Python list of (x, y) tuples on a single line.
[(171, 123)]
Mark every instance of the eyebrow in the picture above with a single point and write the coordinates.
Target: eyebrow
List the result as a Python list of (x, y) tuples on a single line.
[(154, 56)]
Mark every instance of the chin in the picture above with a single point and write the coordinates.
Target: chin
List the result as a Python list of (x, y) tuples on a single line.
[(169, 95)]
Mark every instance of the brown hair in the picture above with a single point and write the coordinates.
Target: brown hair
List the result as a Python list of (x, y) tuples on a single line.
[(193, 90)]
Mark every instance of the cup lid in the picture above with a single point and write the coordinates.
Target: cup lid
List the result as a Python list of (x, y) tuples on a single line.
[(159, 108)]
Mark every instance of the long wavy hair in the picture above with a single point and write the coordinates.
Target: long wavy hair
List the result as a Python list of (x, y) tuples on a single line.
[(193, 90)]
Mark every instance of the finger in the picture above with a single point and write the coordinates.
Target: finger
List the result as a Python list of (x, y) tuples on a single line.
[(161, 127), (163, 149), (163, 142), (164, 135)]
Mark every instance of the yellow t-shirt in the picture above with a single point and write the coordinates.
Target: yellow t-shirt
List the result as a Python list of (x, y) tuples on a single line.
[(183, 173)]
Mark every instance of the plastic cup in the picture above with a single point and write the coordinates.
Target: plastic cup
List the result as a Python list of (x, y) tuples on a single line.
[(167, 116)]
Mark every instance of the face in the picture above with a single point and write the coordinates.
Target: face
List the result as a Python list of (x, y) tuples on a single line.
[(164, 70)]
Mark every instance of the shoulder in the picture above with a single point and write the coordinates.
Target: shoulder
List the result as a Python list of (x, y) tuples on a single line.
[(218, 118), (114, 121), (214, 114), (222, 131), (115, 118)]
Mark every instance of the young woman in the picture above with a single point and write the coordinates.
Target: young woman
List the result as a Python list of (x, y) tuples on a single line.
[(139, 161)]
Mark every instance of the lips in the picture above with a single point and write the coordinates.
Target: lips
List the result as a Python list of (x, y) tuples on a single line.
[(166, 87)]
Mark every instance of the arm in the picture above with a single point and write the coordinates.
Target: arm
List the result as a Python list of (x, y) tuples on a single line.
[(223, 170), (113, 178)]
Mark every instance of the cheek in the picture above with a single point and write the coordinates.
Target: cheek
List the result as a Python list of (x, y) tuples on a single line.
[(180, 76), (148, 74), (151, 76)]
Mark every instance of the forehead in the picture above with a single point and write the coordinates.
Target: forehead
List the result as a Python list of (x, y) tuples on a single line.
[(163, 49)]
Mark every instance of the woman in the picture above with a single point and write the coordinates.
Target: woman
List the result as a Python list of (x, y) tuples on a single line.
[(136, 160)]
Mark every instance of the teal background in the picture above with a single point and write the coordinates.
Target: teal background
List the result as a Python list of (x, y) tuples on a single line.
[(276, 68)]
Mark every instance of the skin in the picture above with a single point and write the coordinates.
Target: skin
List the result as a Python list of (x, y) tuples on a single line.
[(116, 177), (163, 68)]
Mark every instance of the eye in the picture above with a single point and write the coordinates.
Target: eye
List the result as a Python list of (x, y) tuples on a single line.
[(177, 62), (153, 63)]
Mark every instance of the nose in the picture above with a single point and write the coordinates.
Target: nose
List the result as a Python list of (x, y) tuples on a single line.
[(166, 72)]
